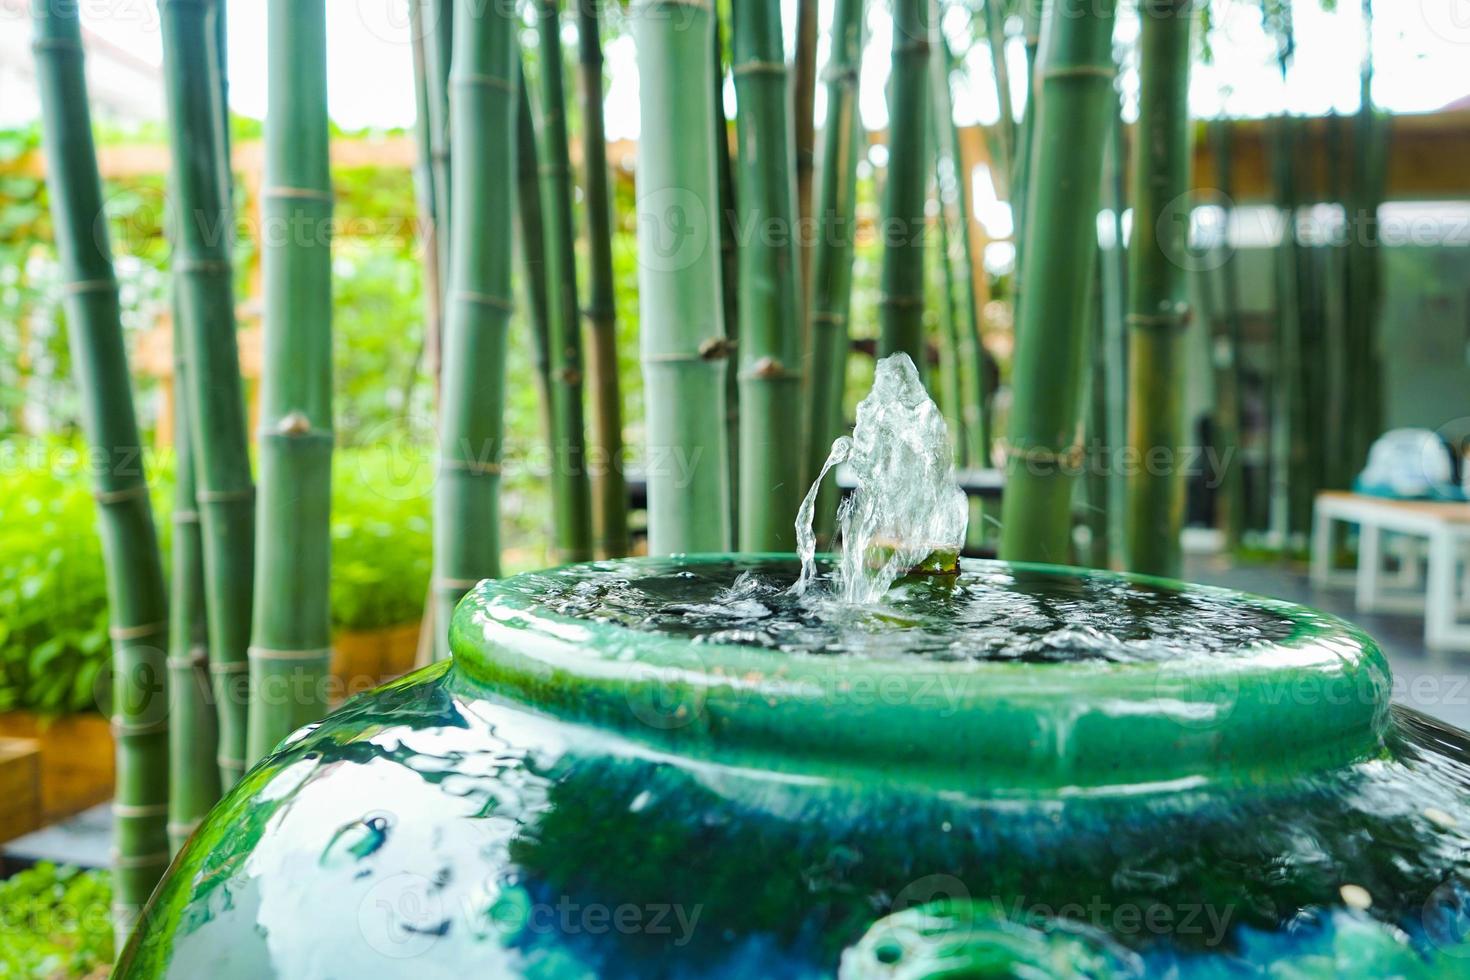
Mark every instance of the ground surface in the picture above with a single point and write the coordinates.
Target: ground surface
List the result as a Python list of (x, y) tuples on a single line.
[(1437, 684)]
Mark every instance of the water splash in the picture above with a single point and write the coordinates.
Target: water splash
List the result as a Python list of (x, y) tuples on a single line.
[(906, 504)]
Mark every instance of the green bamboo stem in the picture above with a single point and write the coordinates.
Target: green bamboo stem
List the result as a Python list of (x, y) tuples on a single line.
[(1097, 509), (204, 279), (769, 310), (531, 226), (949, 331), (995, 36), (729, 266), (1364, 263), (194, 778), (1158, 287), (1048, 372), (137, 604), (942, 146), (291, 635), (571, 491), (1285, 408), (901, 289), (438, 38), (684, 349), (1031, 13), (472, 427), (978, 421), (427, 194), (609, 488), (194, 784), (835, 220), (1113, 291), (803, 112), (1227, 373)]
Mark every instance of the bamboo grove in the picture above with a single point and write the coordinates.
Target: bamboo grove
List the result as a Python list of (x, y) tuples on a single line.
[(746, 239)]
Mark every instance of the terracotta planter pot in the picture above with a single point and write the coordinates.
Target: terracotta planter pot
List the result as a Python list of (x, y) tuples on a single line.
[(20, 787), (76, 767), (363, 659)]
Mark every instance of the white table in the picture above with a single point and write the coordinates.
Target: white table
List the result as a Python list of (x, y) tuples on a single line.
[(1431, 534)]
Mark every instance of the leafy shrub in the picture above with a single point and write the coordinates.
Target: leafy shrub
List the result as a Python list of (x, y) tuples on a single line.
[(56, 923), (53, 599)]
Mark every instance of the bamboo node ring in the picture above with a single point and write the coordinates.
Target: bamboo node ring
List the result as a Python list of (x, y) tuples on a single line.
[(1179, 317), (121, 633), (905, 302), (758, 68), (216, 266), (139, 810), (186, 517), (715, 348), (1079, 72), (123, 495), (271, 654), (479, 467), (1073, 456), (843, 76), (228, 666), (833, 319), (483, 81), (58, 44), (768, 367), (89, 286), (483, 299), (135, 862), (121, 728), (183, 828), (570, 376), (298, 193)]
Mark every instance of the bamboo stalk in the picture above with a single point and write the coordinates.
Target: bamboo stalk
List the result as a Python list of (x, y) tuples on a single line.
[(1158, 288), (204, 277), (729, 263), (531, 225), (901, 291), (1113, 266), (438, 38), (803, 114), (1031, 13), (835, 217), (1227, 374), (942, 144), (427, 195), (684, 348), (571, 491), (291, 635), (194, 784), (194, 778), (1364, 261), (770, 310), (978, 425), (1048, 371), (472, 427), (609, 488), (995, 36), (137, 605)]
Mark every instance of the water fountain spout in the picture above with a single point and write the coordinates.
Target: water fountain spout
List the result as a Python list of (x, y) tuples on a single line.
[(906, 509)]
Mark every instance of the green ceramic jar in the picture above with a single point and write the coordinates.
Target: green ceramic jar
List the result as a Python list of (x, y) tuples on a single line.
[(669, 767)]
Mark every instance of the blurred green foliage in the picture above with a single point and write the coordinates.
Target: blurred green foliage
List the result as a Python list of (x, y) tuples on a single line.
[(56, 922), (53, 601)]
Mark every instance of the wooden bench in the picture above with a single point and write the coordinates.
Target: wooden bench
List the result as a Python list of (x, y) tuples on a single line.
[(1436, 535)]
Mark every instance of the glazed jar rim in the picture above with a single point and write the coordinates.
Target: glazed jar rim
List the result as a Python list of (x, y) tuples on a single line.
[(1318, 697)]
